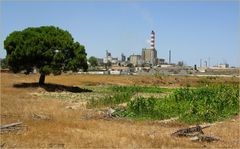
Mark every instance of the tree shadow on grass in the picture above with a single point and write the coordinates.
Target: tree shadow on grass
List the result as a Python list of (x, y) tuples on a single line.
[(53, 87)]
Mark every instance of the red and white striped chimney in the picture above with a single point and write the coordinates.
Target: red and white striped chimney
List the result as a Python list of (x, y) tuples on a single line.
[(152, 40)]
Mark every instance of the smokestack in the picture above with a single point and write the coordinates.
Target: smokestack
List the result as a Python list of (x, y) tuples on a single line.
[(200, 62), (169, 60), (106, 53), (152, 40), (123, 57), (208, 61)]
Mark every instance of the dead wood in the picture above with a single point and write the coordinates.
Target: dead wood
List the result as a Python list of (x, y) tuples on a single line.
[(40, 117), (2, 145), (10, 125), (192, 131), (206, 138), (110, 113), (196, 133)]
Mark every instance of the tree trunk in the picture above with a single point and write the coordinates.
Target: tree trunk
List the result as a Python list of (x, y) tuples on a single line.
[(42, 79)]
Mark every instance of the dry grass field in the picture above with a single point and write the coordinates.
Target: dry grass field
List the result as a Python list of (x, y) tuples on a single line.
[(67, 128)]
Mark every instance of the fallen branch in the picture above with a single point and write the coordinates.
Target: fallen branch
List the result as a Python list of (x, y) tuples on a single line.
[(10, 125), (196, 133), (192, 131)]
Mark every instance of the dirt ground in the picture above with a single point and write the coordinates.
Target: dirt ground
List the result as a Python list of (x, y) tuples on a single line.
[(66, 127)]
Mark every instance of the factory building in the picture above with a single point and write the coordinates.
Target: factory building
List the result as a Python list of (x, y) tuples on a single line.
[(149, 56), (108, 57), (136, 60), (160, 61), (100, 61), (123, 57)]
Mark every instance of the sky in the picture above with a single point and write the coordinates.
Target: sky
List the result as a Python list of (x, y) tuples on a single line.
[(192, 30)]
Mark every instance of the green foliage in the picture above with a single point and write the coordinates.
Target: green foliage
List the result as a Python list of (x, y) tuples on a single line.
[(204, 104), (3, 63), (189, 72), (130, 65), (93, 61), (47, 48), (145, 89), (210, 103), (109, 100), (144, 107)]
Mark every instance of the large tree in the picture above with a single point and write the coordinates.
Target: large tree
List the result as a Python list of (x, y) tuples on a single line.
[(49, 49)]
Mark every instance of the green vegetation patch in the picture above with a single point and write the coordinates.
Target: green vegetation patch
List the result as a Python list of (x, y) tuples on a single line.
[(122, 94), (144, 89), (110, 100), (203, 104)]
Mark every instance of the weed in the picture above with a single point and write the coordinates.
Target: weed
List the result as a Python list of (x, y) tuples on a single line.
[(145, 89), (109, 100)]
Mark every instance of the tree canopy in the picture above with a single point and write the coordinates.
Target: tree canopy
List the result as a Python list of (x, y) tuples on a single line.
[(49, 49), (93, 61)]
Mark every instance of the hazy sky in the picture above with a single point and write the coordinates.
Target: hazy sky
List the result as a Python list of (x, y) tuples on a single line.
[(191, 30)]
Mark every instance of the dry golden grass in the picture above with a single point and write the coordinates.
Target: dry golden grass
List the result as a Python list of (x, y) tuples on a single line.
[(67, 128), (168, 81)]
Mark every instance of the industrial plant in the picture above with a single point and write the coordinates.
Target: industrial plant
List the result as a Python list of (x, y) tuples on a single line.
[(148, 63), (147, 58)]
